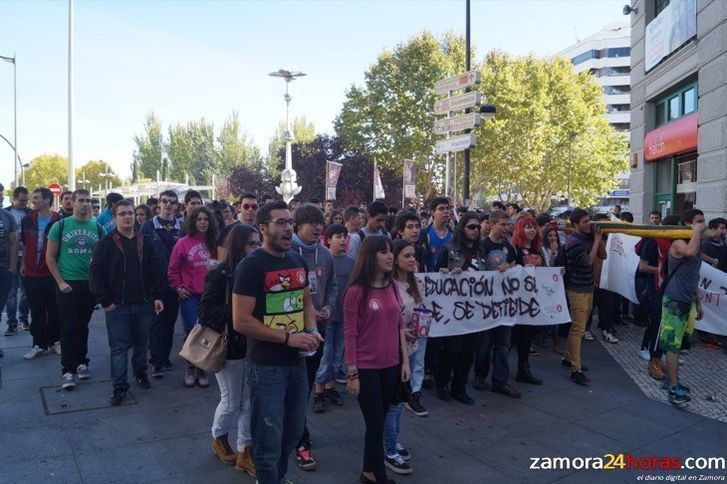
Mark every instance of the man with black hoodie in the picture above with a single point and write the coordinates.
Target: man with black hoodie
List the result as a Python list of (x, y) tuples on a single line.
[(323, 290), (125, 276)]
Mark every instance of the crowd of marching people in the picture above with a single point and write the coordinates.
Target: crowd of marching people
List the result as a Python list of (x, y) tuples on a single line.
[(308, 297)]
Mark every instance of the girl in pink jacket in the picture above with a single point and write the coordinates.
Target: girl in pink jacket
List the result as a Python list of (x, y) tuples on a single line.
[(187, 272)]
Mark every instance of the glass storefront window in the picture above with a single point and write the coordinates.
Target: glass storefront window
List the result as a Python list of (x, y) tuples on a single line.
[(689, 100), (663, 176), (674, 108)]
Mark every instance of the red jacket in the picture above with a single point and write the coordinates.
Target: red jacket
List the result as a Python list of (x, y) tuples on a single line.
[(29, 236)]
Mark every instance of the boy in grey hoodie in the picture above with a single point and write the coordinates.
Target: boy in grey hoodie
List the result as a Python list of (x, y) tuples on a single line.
[(323, 289)]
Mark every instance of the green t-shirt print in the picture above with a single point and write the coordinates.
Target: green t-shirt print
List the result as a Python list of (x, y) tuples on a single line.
[(76, 246)]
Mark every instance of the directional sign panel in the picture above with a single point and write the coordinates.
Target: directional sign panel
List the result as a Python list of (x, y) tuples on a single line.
[(461, 81), (456, 143), (458, 103), (458, 123)]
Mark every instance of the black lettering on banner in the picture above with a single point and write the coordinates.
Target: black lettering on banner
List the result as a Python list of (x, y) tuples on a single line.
[(509, 307), (463, 310), (529, 284), (461, 286), (510, 285), (437, 313), (705, 283)]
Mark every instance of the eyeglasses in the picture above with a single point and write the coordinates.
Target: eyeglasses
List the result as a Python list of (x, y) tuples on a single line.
[(249, 206), (97, 207), (442, 209), (167, 201), (282, 222), (472, 227)]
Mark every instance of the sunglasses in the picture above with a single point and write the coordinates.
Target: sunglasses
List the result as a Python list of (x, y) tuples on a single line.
[(167, 201), (249, 206), (472, 227)]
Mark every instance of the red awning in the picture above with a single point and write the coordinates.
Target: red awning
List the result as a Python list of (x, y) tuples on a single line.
[(674, 138)]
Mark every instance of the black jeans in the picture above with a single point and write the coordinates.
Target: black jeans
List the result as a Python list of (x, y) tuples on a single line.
[(609, 309), (522, 336), (311, 367), (161, 332), (651, 335), (75, 309), (45, 326), (455, 362), (377, 389)]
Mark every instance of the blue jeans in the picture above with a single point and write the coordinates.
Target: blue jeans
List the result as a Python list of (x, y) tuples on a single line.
[(332, 353), (278, 399), (189, 309), (128, 328), (392, 425), (499, 339), (416, 362), (234, 406), (17, 291)]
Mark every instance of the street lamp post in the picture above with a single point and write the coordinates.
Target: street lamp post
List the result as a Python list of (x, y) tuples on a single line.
[(288, 178), (12, 60)]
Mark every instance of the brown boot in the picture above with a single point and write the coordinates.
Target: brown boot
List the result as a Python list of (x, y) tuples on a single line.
[(245, 462), (223, 450), (655, 370)]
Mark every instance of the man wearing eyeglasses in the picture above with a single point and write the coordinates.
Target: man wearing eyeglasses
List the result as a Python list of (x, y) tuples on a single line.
[(126, 278), (247, 211), (273, 307), (70, 244), (164, 230)]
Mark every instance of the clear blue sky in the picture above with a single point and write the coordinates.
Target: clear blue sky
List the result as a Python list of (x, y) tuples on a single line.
[(190, 59)]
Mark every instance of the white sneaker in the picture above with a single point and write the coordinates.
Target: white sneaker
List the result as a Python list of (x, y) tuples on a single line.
[(587, 336), (645, 355), (34, 353), (609, 337), (56, 347), (83, 372), (69, 381)]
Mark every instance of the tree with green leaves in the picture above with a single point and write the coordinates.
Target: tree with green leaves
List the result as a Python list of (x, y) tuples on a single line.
[(549, 133), (149, 149), (235, 146), (46, 169), (390, 118), (94, 174), (192, 151)]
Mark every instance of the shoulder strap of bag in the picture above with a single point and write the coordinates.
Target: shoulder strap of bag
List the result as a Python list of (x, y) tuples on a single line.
[(669, 276)]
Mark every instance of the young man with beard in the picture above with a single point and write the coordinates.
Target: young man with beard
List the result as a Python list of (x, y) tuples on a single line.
[(323, 290), (582, 247), (272, 306), (164, 231), (126, 279), (70, 244), (37, 279), (66, 209)]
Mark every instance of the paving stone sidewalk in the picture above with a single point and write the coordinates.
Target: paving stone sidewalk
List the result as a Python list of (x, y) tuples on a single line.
[(163, 434), (704, 371)]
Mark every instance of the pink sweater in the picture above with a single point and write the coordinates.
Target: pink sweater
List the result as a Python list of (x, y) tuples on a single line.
[(188, 264), (371, 329)]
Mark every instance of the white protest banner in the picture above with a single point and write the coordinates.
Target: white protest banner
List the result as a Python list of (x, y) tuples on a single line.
[(619, 268), (713, 293), (474, 301)]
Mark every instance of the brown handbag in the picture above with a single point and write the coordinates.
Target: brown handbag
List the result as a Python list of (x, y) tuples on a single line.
[(205, 348)]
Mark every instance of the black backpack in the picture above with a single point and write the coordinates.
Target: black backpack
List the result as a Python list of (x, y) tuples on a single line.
[(362, 235)]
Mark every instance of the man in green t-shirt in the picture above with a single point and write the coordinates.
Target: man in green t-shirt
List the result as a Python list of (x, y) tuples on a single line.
[(70, 244)]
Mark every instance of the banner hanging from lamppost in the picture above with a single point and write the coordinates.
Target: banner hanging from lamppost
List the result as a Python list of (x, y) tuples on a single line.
[(333, 171), (410, 177), (378, 186)]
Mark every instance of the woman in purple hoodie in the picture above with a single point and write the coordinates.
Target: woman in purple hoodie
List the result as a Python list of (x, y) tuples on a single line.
[(187, 272)]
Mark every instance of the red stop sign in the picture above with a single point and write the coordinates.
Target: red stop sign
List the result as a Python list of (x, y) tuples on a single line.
[(56, 189)]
